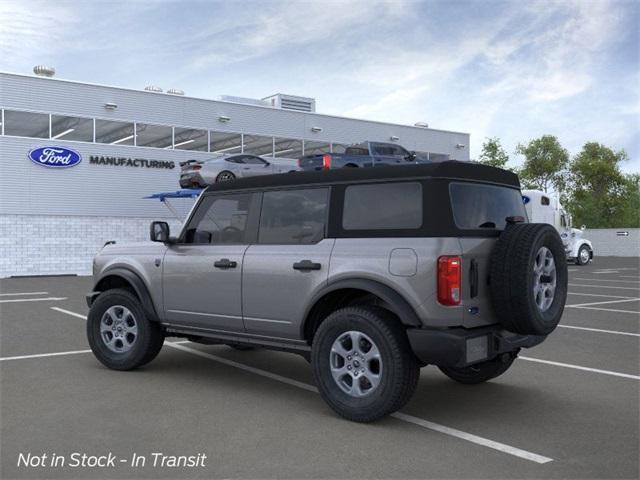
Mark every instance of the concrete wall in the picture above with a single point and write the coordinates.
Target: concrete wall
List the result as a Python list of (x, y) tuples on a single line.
[(606, 242)]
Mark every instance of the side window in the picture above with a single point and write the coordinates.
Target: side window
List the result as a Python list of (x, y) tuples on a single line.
[(399, 151), (544, 200), (220, 220), (563, 221), (383, 206), (238, 159), (253, 160), (293, 216)]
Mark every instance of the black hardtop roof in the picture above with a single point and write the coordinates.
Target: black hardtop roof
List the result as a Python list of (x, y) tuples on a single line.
[(451, 169)]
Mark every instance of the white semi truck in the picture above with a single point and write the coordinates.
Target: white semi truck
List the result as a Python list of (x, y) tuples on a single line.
[(543, 208)]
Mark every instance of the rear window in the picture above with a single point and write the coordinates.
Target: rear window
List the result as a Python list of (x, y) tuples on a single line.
[(478, 206), (383, 206)]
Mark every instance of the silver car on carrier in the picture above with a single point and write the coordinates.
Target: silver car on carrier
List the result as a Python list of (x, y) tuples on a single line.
[(223, 168)]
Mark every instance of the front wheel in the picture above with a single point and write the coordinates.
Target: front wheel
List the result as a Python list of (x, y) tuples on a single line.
[(120, 334), (363, 364), (480, 372), (584, 255)]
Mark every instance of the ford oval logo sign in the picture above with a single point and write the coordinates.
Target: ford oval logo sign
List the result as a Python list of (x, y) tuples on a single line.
[(55, 157), (525, 199)]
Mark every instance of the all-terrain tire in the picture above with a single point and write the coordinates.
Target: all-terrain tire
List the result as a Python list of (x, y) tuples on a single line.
[(480, 372), (512, 278), (148, 339), (399, 370)]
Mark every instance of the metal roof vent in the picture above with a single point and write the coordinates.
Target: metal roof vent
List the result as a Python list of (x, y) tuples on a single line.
[(44, 71), (292, 102), (175, 91), (421, 124), (153, 88)]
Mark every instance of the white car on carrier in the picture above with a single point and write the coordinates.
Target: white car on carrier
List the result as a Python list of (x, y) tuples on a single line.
[(543, 208)]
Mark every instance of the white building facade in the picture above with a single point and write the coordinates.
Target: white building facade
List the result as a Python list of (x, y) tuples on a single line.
[(128, 145)]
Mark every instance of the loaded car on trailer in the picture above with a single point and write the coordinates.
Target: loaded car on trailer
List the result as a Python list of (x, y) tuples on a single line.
[(370, 274), (362, 155)]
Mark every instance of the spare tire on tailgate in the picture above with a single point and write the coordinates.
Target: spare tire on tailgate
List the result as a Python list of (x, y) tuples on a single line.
[(528, 278)]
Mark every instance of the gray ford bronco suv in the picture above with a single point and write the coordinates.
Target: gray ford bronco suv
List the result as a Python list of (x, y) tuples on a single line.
[(370, 274)]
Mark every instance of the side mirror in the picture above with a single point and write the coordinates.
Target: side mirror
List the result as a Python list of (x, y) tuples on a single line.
[(411, 157), (159, 232), (583, 227)]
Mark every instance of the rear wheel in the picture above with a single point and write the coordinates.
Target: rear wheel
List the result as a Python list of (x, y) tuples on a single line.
[(363, 363), (120, 334), (584, 255), (225, 176), (480, 372)]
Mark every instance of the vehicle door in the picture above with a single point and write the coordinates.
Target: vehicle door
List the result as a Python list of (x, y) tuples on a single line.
[(252, 165), (289, 262), (202, 271)]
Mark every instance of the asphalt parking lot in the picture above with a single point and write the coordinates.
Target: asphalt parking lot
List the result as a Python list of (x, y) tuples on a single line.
[(566, 409)]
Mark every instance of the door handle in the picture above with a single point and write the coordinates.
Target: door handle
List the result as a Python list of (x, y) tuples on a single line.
[(306, 265), (225, 263)]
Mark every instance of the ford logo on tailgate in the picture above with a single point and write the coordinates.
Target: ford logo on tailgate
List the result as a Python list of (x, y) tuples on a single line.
[(55, 157)]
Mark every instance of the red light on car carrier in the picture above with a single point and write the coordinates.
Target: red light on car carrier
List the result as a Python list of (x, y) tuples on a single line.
[(326, 161), (449, 280), (196, 167)]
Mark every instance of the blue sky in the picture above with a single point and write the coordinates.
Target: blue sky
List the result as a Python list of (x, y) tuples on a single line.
[(515, 70)]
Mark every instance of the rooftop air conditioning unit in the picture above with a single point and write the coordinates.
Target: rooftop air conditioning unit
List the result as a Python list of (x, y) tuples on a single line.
[(153, 88), (44, 71)]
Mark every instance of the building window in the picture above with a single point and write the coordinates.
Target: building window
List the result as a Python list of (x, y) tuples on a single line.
[(258, 145), (26, 124), (400, 209), (71, 128), (316, 148), (190, 139), (287, 148), (338, 147), (221, 142), (438, 157), (114, 133), (157, 136)]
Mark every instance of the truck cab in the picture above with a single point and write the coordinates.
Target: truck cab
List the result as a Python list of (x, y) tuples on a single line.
[(544, 208)]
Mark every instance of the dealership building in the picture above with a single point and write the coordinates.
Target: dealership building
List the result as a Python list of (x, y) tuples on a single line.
[(120, 145)]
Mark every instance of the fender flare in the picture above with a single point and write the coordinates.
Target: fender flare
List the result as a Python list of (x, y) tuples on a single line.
[(136, 282), (396, 302)]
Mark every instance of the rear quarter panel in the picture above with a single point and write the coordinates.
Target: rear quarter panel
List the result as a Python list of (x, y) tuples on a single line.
[(388, 261)]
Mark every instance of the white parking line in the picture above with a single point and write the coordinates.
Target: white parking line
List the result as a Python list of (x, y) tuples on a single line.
[(596, 295), (607, 280), (41, 355), (23, 293), (633, 312), (485, 442), (73, 314), (48, 299), (579, 367), (604, 286), (595, 303), (600, 330)]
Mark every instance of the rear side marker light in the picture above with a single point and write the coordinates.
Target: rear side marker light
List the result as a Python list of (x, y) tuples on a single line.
[(326, 161), (449, 268)]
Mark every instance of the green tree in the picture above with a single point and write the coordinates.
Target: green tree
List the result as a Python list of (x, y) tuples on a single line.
[(493, 154), (545, 163), (600, 195)]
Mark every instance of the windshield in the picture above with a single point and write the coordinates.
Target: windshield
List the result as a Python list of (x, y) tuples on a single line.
[(477, 206)]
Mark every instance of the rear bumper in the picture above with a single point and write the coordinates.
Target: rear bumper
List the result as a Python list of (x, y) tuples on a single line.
[(460, 347)]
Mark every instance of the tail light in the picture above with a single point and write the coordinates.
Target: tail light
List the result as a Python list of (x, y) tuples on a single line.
[(326, 161), (449, 280), (299, 162), (196, 167)]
